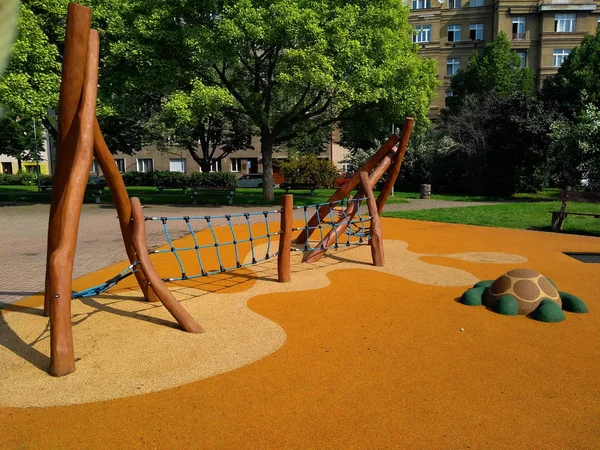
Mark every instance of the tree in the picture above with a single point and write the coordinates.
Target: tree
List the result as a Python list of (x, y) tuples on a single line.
[(17, 139), (496, 70), (576, 85), (286, 63)]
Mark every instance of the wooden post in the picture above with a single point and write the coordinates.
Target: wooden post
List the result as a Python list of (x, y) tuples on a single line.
[(284, 268), (351, 210), (79, 19), (394, 171), (122, 204), (348, 186), (77, 150), (187, 322), (376, 240)]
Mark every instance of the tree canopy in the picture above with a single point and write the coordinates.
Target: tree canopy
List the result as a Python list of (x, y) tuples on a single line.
[(576, 84), (496, 70), (290, 67)]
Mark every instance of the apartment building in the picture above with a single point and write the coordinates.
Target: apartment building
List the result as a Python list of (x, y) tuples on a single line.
[(541, 32)]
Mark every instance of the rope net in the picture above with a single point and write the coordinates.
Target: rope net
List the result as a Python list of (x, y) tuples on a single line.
[(235, 232)]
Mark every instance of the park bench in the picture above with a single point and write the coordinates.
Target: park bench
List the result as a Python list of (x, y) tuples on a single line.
[(92, 189), (299, 187), (558, 217), (213, 191)]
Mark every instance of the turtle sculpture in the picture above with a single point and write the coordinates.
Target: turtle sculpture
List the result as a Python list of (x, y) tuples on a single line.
[(524, 291)]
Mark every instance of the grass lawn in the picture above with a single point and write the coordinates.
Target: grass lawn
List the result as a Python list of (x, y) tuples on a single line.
[(151, 196), (521, 215)]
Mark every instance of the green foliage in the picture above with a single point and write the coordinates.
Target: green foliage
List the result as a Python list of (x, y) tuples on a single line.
[(19, 179), (139, 179), (17, 137), (575, 85), (575, 150), (165, 178), (312, 144), (495, 70), (310, 170), (211, 179)]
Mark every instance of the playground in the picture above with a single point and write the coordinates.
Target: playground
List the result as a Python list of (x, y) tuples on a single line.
[(312, 326), (344, 354)]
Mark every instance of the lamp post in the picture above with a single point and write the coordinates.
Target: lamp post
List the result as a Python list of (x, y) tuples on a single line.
[(37, 157)]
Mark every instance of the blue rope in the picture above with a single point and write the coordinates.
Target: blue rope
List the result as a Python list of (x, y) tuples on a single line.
[(96, 290)]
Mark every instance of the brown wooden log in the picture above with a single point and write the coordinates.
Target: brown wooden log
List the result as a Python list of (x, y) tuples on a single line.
[(351, 211), (376, 240), (64, 223), (79, 19), (122, 204), (187, 322), (394, 171), (348, 186), (284, 265)]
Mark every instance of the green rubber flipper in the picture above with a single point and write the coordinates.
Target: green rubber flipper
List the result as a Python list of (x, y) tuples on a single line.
[(484, 283), (473, 296), (507, 306), (572, 303), (548, 311)]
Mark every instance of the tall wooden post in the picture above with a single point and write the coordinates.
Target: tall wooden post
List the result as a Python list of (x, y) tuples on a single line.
[(284, 268), (72, 172), (376, 239)]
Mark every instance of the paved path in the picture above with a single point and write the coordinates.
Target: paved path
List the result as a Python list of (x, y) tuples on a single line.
[(23, 238)]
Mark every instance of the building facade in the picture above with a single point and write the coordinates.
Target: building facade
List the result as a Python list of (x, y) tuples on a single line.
[(541, 32)]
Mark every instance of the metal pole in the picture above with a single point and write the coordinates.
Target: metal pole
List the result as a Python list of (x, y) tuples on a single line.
[(37, 158)]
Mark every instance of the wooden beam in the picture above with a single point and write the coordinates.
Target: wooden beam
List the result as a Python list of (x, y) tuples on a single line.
[(376, 240)]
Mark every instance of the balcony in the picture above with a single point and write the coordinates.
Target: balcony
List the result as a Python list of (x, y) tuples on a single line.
[(518, 36), (566, 5)]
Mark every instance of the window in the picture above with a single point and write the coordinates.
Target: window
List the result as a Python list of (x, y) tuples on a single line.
[(454, 4), (523, 55), (421, 4), (452, 66), (94, 168), (558, 56), (476, 3), (453, 33), (423, 34), (236, 164), (448, 95), (476, 32), (518, 28), (120, 162), (145, 165), (215, 166), (564, 23), (178, 165)]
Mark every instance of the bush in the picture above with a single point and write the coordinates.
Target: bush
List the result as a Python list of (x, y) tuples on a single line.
[(211, 179), (20, 179), (310, 170), (163, 178), (138, 179)]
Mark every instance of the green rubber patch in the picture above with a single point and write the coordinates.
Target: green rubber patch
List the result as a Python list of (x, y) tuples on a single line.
[(572, 303), (507, 306), (548, 311), (484, 283), (473, 297)]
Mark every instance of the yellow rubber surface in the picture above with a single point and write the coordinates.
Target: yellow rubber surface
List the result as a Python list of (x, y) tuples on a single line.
[(370, 358)]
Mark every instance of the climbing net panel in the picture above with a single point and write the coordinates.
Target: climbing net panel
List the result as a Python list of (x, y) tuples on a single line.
[(232, 231)]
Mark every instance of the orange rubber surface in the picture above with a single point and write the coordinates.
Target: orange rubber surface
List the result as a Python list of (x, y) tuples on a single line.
[(376, 361)]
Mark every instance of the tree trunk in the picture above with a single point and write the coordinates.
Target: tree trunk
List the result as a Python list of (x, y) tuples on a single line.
[(203, 163), (266, 148)]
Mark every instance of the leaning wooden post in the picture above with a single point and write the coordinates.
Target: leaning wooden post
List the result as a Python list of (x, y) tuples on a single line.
[(79, 19), (64, 223), (394, 170), (187, 322), (284, 267), (122, 204), (376, 239)]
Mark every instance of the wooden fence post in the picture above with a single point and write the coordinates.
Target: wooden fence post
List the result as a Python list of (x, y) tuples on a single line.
[(376, 240), (284, 268)]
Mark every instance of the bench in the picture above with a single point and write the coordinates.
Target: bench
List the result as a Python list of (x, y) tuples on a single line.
[(299, 187), (558, 217), (213, 191), (95, 190)]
